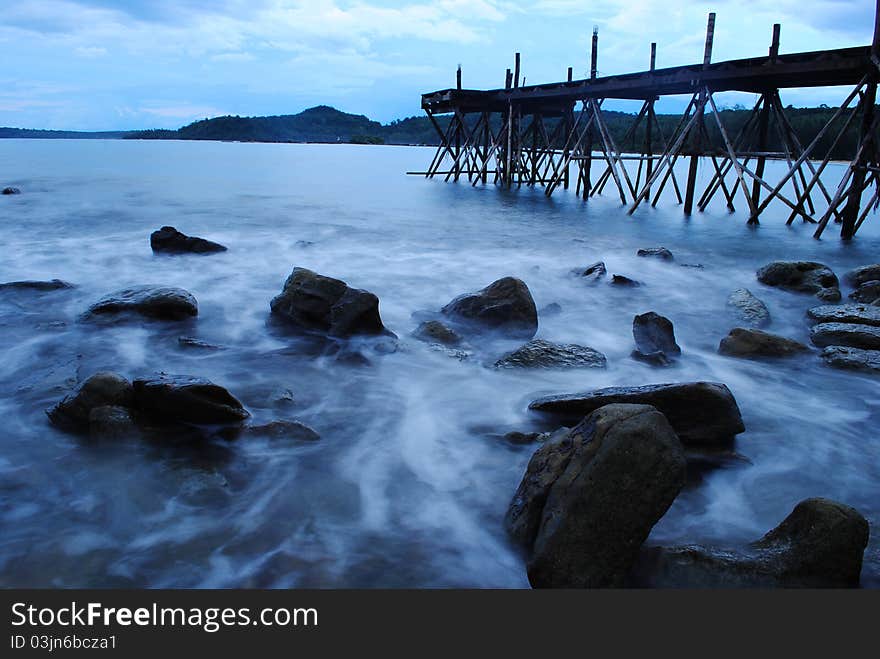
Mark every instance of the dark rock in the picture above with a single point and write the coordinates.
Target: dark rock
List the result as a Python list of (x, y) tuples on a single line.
[(159, 302), (505, 305), (593, 272), (852, 359), (111, 422), (802, 277), (538, 353), (100, 390), (859, 314), (181, 399), (522, 437), (859, 276), (749, 308), (697, 266), (9, 191), (657, 253), (552, 309), (655, 339), (315, 302), (588, 500), (621, 280), (39, 286), (702, 413), (284, 430), (433, 331), (171, 241), (868, 292), (820, 544), (845, 334), (196, 344), (745, 342)]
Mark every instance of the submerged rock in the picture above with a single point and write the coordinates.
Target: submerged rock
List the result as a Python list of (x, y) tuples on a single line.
[(591, 273), (552, 309), (868, 292), (171, 241), (621, 280), (655, 339), (318, 303), (747, 342), (112, 422), (538, 353), (657, 253), (749, 308), (852, 359), (702, 413), (38, 286), (845, 334), (589, 499), (802, 277), (820, 544), (504, 305), (103, 389), (159, 302), (182, 399), (433, 331), (859, 276), (10, 191), (294, 430), (196, 344), (859, 314)]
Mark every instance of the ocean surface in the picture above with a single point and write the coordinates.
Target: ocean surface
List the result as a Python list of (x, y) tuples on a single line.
[(410, 480)]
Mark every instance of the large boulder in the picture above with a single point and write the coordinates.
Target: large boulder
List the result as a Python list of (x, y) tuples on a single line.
[(749, 308), (505, 305), (859, 276), (702, 413), (112, 422), (100, 390), (656, 252), (866, 337), (860, 314), (169, 400), (820, 544), (36, 286), (158, 302), (747, 342), (655, 339), (802, 277), (538, 353), (314, 302), (171, 241), (852, 359), (868, 292), (589, 499)]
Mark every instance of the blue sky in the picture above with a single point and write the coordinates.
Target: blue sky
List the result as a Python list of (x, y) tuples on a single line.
[(117, 64)]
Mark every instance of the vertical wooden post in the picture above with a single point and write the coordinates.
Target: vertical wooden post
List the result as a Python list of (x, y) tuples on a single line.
[(508, 80), (588, 144), (774, 45), (649, 126), (516, 72), (695, 156), (570, 73), (458, 77), (594, 53)]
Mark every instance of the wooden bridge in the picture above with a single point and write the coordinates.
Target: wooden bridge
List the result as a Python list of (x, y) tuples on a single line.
[(536, 134)]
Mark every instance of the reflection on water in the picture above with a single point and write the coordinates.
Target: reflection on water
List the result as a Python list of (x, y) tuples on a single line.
[(409, 483)]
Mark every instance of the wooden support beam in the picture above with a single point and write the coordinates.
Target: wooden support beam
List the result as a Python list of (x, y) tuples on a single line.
[(516, 71)]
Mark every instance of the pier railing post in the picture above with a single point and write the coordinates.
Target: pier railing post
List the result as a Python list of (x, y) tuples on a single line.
[(700, 128)]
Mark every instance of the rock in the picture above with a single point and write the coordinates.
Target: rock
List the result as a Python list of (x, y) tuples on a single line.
[(844, 334), (111, 422), (701, 413), (39, 286), (802, 277), (100, 390), (433, 331), (655, 339), (696, 266), (820, 544), (552, 309), (859, 276), (171, 241), (9, 191), (159, 302), (859, 314), (657, 253), (538, 353), (504, 305), (522, 437), (868, 292), (749, 308), (853, 359), (182, 399), (620, 280), (284, 430), (196, 344), (746, 342), (592, 273), (589, 499), (318, 303)]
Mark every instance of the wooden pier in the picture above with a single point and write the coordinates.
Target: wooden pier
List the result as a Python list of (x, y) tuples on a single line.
[(543, 134)]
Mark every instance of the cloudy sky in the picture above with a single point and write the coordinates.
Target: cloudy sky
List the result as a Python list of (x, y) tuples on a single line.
[(117, 64)]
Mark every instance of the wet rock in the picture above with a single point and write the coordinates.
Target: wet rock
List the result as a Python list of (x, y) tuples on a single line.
[(37, 286), (867, 292), (844, 334), (697, 266), (172, 399), (802, 277), (702, 413), (280, 429), (621, 280), (100, 390), (196, 344), (433, 331), (111, 422), (859, 276), (522, 437), (820, 544), (588, 500), (656, 252), (859, 314), (749, 308), (592, 273), (9, 191), (538, 353), (552, 309), (158, 302), (171, 241), (747, 342), (852, 359), (655, 339), (318, 303), (504, 305)]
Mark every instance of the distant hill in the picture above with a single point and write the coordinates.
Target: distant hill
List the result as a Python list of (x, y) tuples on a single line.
[(25, 133)]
